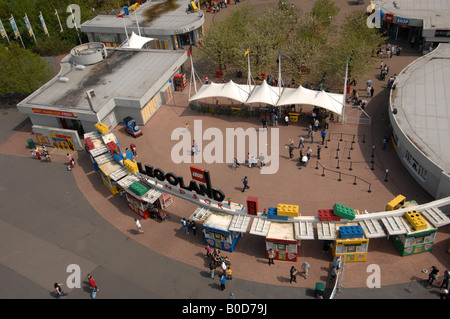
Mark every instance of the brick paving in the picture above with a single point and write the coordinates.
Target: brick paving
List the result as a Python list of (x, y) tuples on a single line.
[(304, 187)]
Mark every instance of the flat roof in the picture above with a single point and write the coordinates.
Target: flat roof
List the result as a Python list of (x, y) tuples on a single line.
[(434, 13), (125, 74), (422, 101), (172, 22)]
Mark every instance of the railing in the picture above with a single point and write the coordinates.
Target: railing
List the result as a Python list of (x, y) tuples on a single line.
[(340, 175)]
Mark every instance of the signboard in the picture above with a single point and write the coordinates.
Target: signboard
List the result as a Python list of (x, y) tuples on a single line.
[(402, 21), (2, 30), (44, 26), (442, 33), (389, 17), (198, 174), (55, 113)]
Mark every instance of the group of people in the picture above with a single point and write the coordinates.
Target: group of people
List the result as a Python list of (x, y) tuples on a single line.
[(188, 224), (293, 272), (215, 5), (92, 287), (443, 285), (215, 261)]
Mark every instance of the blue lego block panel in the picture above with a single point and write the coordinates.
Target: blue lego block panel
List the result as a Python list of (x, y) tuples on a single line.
[(351, 232), (277, 217), (271, 211)]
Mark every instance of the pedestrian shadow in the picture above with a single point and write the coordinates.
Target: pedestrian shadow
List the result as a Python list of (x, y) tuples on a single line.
[(214, 285), (283, 279), (134, 232)]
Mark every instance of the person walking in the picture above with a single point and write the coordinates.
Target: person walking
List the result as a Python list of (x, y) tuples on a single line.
[(138, 225), (271, 256), (318, 151), (212, 268), (92, 286), (229, 273), (133, 149), (293, 273), (59, 291), (305, 266), (385, 140), (300, 143), (275, 120), (372, 90), (291, 149), (433, 275), (327, 122), (208, 251), (223, 281), (308, 153), (312, 137), (245, 183), (261, 160), (185, 226), (444, 283), (323, 134), (235, 163), (194, 228)]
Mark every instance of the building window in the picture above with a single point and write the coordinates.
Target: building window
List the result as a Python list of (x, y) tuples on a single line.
[(418, 168)]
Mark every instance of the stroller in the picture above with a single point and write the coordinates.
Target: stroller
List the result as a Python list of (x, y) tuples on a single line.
[(158, 215)]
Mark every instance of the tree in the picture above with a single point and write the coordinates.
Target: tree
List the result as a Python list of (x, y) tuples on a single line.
[(357, 42), (21, 70)]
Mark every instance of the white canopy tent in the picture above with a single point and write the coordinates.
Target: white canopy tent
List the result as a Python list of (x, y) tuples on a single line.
[(231, 90), (264, 93), (330, 101), (136, 41)]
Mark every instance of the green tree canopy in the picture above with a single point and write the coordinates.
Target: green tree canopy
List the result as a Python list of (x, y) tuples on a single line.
[(21, 71)]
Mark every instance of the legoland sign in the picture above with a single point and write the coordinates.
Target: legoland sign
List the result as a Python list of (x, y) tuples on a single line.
[(173, 184)]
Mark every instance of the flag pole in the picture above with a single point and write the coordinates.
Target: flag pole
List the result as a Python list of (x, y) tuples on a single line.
[(345, 93), (59, 21)]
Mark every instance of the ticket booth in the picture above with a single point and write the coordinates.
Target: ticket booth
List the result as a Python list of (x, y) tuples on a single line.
[(281, 239), (218, 233), (141, 197), (351, 243)]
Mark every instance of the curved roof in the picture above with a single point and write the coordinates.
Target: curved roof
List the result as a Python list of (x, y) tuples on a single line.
[(423, 104)]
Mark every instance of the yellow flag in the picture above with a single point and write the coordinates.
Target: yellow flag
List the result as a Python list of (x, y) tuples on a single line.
[(246, 52)]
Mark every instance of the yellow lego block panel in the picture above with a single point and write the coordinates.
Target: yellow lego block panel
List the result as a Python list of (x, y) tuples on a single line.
[(287, 210), (416, 220), (102, 128), (396, 203), (130, 165)]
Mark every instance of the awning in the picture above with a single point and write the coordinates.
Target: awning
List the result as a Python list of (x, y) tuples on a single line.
[(260, 226), (372, 228), (136, 41), (303, 230)]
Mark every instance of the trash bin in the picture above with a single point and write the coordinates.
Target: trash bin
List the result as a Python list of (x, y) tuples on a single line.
[(218, 73), (31, 144)]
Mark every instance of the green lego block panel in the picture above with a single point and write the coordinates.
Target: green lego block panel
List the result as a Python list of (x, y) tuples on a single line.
[(138, 188), (343, 211)]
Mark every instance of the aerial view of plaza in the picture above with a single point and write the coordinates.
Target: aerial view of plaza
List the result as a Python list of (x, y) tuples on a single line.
[(259, 150)]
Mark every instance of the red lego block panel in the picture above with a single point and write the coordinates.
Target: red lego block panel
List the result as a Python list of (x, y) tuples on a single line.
[(327, 215), (252, 205)]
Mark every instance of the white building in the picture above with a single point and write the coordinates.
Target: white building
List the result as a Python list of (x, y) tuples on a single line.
[(420, 119), (99, 84), (171, 31)]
